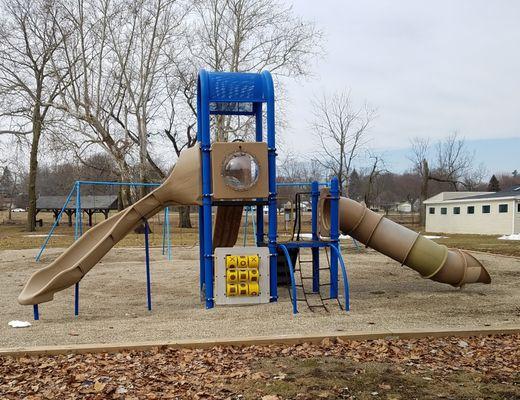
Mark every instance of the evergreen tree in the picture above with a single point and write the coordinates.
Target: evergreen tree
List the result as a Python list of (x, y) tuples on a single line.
[(494, 185)]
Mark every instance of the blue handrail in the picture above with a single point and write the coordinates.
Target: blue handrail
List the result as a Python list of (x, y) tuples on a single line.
[(345, 277), (291, 273)]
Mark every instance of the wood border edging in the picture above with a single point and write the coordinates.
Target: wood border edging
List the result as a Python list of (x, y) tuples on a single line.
[(249, 341)]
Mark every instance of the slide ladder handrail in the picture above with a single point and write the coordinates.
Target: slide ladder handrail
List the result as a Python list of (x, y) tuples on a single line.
[(346, 289), (291, 273)]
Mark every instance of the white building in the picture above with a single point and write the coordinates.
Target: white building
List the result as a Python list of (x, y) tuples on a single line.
[(481, 213)]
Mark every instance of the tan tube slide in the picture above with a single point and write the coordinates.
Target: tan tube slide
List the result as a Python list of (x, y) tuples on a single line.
[(183, 186), (431, 260)]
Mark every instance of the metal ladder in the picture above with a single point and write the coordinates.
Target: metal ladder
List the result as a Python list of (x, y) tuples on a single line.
[(308, 294)]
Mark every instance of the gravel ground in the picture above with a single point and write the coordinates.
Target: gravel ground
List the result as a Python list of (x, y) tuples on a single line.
[(384, 295)]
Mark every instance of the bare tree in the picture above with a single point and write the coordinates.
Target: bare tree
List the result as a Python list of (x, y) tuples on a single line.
[(342, 132), (452, 164), (374, 172), (28, 39), (144, 38), (93, 89)]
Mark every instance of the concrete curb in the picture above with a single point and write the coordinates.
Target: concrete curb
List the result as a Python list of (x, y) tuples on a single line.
[(250, 341)]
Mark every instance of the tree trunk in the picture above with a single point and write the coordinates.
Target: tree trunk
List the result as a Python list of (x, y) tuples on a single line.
[(143, 152), (184, 217), (424, 191), (33, 168), (124, 176)]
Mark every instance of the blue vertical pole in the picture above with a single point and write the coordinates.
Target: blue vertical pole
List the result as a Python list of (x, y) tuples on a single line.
[(76, 299), (147, 259), (164, 231), (204, 126), (334, 236), (36, 312), (77, 220), (271, 159), (259, 208), (169, 234), (78, 231), (315, 193)]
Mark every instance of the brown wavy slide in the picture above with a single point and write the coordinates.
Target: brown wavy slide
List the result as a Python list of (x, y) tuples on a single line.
[(181, 187), (430, 259)]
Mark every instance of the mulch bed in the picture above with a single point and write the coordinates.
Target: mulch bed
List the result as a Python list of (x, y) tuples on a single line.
[(209, 373)]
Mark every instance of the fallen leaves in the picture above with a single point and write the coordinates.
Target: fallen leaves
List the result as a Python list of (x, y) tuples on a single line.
[(209, 373)]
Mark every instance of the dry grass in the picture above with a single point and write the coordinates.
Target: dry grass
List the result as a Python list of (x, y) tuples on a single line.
[(488, 244), (13, 234)]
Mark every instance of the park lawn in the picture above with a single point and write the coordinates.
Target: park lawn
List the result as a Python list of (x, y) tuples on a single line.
[(342, 378), (486, 243)]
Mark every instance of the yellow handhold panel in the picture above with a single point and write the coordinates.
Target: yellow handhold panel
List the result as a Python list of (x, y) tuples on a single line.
[(231, 262), (253, 289), (242, 261), (231, 289), (243, 275), (243, 289), (231, 275), (253, 261), (253, 275)]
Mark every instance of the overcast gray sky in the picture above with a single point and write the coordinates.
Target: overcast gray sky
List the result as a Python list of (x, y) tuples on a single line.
[(429, 67)]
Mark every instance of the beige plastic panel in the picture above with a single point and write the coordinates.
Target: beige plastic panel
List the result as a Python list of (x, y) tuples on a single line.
[(219, 153), (431, 260)]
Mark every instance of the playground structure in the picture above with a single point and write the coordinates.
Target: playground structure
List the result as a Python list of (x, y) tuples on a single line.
[(232, 175)]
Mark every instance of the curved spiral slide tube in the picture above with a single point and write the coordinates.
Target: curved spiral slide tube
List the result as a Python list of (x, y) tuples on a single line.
[(432, 260)]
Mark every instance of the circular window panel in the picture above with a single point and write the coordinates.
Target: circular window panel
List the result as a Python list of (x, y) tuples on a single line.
[(240, 171)]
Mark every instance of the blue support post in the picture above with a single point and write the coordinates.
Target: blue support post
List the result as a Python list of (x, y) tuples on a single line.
[(164, 232), (334, 236), (204, 126), (166, 235), (271, 159), (78, 227), (315, 194), (78, 231), (169, 234), (76, 299), (147, 259), (36, 312)]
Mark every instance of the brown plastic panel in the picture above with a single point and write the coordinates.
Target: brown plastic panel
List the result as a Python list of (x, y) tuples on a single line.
[(227, 225), (219, 152)]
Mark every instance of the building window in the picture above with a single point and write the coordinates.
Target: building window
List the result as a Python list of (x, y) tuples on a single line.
[(432, 210), (486, 209), (502, 208), (471, 209), (444, 210), (518, 207), (456, 210)]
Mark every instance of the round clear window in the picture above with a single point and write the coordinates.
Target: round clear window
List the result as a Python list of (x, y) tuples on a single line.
[(240, 171)]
